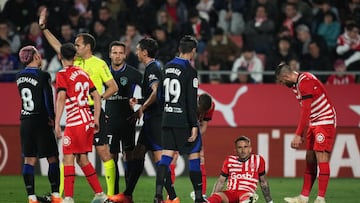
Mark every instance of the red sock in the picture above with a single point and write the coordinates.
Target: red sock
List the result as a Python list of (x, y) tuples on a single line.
[(69, 179), (214, 199), (323, 180), (172, 171), (92, 178), (203, 177), (309, 178)]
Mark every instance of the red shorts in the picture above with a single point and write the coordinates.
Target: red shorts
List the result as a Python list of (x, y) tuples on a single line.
[(234, 195), (320, 138), (78, 139)]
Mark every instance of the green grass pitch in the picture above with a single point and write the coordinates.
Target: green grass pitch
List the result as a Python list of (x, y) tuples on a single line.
[(12, 189)]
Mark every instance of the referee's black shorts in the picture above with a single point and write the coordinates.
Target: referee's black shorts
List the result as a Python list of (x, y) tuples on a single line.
[(100, 138)]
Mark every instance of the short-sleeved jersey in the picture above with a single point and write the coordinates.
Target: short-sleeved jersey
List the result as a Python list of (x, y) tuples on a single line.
[(118, 104), (320, 108), (243, 175), (180, 94), (77, 85), (36, 95), (98, 71), (152, 75)]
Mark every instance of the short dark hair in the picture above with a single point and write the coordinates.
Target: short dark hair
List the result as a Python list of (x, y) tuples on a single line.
[(187, 44), (150, 45), (282, 68), (243, 138), (88, 39), (116, 43), (68, 51), (204, 103)]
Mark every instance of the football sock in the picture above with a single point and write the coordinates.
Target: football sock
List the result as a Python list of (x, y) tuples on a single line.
[(203, 178), (169, 186), (161, 173), (195, 177), (69, 179), (109, 167), (324, 175), (92, 178), (214, 198), (28, 175), (117, 179), (54, 176), (135, 169), (61, 186), (172, 171), (309, 178)]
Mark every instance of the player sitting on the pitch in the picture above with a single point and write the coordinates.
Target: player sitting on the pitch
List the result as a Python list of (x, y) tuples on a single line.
[(242, 171)]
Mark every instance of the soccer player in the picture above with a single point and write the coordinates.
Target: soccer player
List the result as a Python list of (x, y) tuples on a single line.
[(101, 76), (118, 110), (151, 108), (205, 112), (318, 112), (37, 122), (242, 172), (180, 122), (73, 87)]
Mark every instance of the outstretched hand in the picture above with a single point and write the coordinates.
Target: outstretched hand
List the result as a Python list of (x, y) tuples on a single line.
[(42, 17)]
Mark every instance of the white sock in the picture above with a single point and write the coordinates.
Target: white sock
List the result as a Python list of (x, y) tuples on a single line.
[(32, 197), (304, 197), (320, 198)]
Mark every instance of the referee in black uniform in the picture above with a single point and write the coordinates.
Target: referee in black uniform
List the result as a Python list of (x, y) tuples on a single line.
[(180, 124)]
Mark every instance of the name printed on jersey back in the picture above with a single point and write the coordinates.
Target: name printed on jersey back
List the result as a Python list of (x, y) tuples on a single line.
[(32, 81), (175, 71), (77, 73)]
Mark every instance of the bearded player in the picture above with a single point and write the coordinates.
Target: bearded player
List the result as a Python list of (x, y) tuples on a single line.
[(318, 114), (242, 172)]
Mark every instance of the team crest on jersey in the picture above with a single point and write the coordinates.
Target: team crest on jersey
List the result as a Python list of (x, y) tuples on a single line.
[(320, 138), (195, 83), (123, 81), (66, 141)]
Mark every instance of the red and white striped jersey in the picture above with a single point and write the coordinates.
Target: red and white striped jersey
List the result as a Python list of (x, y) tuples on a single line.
[(77, 85), (316, 107), (243, 176)]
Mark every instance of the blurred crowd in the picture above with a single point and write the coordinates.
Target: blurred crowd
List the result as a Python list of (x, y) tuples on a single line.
[(245, 38)]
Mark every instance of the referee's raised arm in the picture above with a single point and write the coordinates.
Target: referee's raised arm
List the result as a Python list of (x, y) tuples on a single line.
[(53, 41)]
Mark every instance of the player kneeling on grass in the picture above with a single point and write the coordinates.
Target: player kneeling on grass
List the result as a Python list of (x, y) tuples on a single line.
[(73, 86), (242, 171)]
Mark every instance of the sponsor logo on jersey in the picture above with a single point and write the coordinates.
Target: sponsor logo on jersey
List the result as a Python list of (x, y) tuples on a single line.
[(152, 77), (242, 176)]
